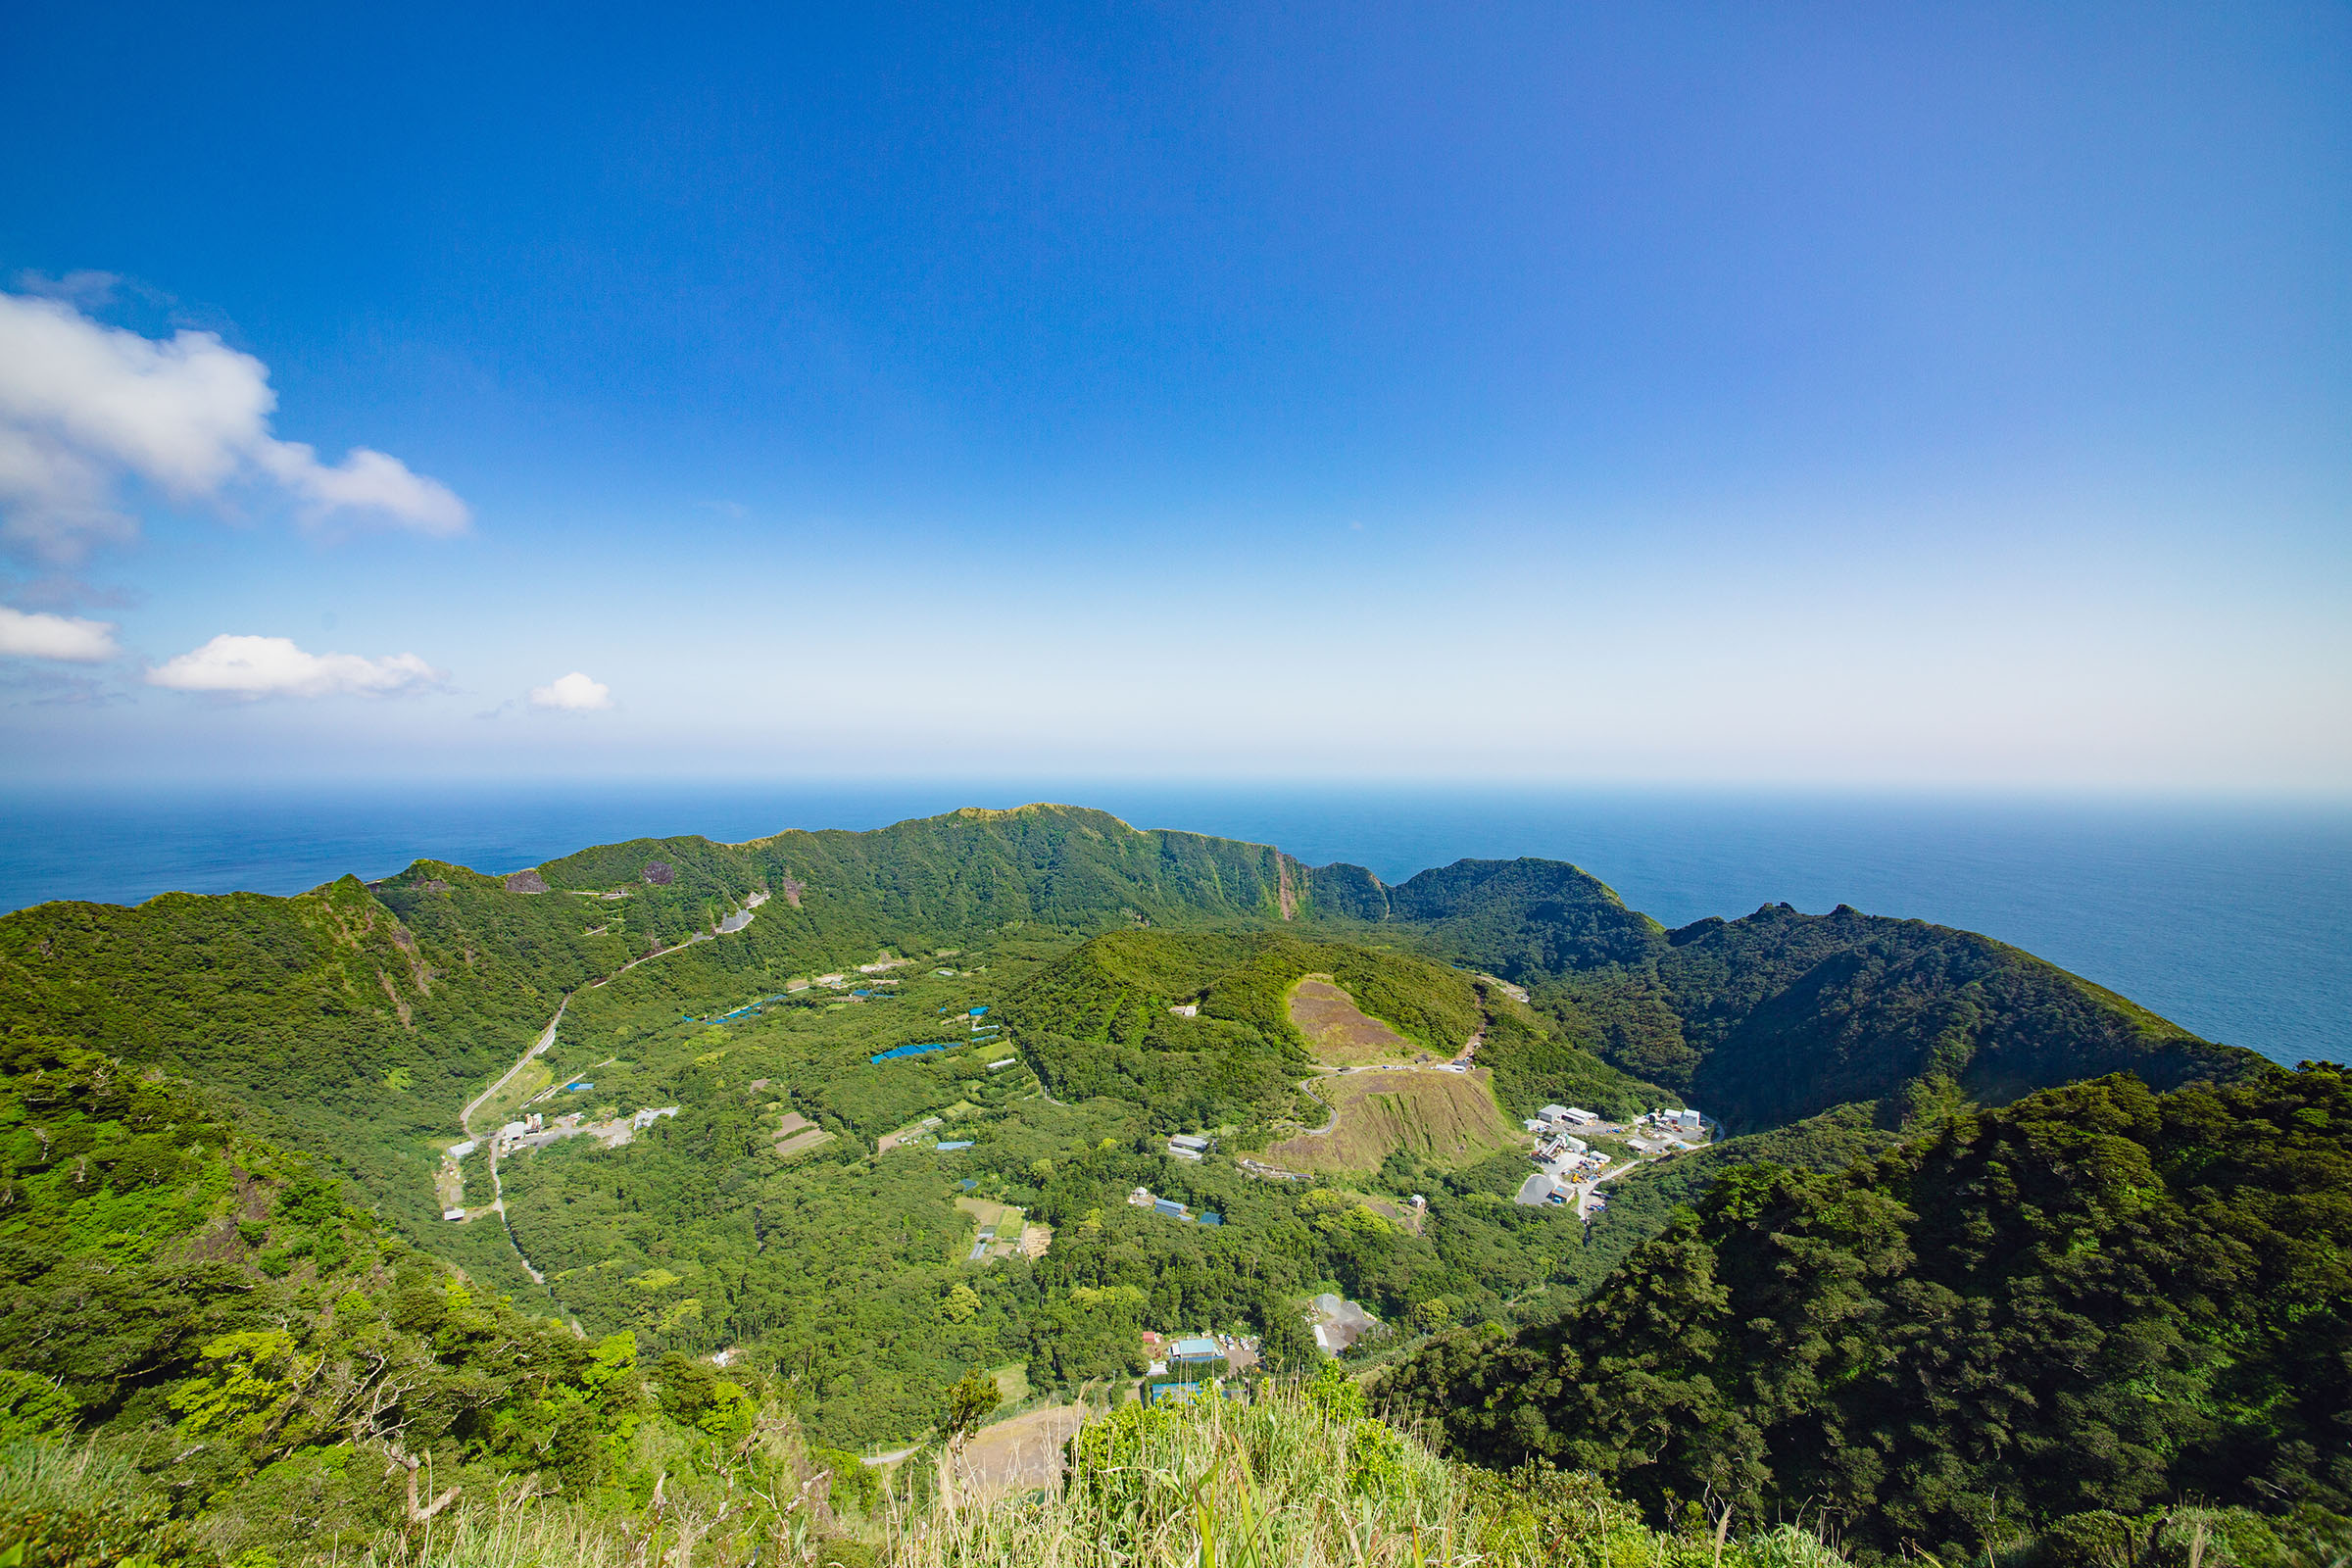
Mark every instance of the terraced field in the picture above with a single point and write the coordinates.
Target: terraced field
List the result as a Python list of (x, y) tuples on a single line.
[(1444, 1117)]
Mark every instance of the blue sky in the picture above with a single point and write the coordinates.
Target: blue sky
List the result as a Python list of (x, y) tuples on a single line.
[(1857, 395)]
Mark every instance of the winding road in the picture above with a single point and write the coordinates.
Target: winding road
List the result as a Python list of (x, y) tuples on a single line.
[(547, 1039)]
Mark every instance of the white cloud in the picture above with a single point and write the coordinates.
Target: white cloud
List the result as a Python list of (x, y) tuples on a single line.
[(38, 635), (272, 666), (84, 287), (82, 403), (574, 693)]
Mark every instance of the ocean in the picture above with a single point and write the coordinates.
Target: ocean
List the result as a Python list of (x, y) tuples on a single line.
[(2233, 921)]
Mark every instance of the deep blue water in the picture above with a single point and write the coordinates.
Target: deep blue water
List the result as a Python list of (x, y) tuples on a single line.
[(2233, 921)]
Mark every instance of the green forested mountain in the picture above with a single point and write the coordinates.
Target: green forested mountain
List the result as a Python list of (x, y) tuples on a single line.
[(2096, 1298), (741, 1161), (1778, 1015), (1524, 919)]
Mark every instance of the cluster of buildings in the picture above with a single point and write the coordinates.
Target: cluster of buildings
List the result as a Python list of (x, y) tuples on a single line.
[(1183, 1362), (1562, 1118), (1667, 1132), (1141, 1197), (1568, 1169), (535, 1132), (1568, 1158), (505, 1138), (1190, 1145)]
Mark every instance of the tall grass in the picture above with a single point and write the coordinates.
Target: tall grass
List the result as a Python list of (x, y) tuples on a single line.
[(1292, 1482), (1296, 1479)]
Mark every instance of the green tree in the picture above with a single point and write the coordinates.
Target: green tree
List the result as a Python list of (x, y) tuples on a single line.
[(969, 1400)]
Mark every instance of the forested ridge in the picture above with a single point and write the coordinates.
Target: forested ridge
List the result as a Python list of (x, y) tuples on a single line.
[(1081, 990), (2096, 1300)]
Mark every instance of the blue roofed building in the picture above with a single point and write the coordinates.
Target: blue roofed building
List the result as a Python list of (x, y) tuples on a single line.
[(1168, 1205), (1193, 1350)]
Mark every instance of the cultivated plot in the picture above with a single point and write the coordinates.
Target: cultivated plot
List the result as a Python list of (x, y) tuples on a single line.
[(1338, 1031)]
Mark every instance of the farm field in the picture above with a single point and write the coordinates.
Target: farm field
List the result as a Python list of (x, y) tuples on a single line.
[(1339, 1032), (798, 1134), (1002, 1223), (1441, 1118)]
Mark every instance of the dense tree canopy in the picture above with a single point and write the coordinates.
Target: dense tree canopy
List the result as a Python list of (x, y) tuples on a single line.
[(2097, 1299)]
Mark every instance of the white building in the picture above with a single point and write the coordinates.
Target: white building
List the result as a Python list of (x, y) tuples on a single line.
[(1687, 1119), (1576, 1116)]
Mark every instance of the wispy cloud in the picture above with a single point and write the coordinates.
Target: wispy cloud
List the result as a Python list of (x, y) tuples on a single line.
[(83, 404), (273, 666), (575, 693), (69, 639), (85, 287)]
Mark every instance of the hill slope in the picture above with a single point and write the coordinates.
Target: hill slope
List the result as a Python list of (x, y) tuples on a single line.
[(258, 1368), (1102, 1021), (2098, 1298), (1780, 1015)]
